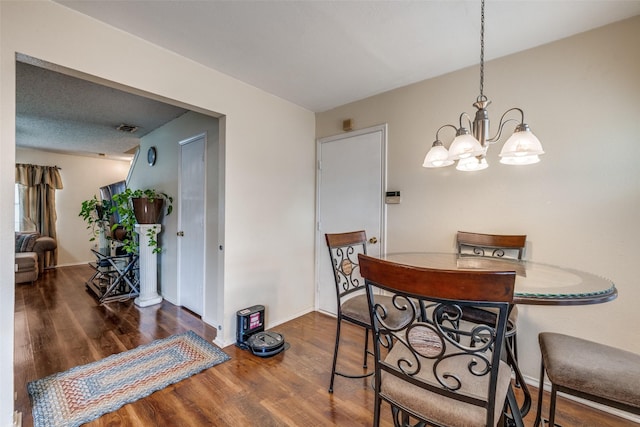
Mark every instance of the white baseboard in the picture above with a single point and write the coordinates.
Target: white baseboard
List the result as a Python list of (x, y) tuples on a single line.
[(223, 344), (293, 316), (71, 264)]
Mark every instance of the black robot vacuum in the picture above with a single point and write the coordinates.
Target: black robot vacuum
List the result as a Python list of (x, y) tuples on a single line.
[(265, 344), (250, 333)]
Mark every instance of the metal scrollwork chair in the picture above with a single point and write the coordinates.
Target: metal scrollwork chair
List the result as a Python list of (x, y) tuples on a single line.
[(491, 245), (352, 306), (435, 368), (496, 246)]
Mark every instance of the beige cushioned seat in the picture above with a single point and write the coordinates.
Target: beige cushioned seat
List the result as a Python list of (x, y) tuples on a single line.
[(589, 370), (591, 367), (358, 308), (435, 406)]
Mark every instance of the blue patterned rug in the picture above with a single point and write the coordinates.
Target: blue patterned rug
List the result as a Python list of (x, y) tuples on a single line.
[(86, 392)]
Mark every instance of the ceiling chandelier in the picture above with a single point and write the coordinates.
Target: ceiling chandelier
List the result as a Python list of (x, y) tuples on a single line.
[(470, 149)]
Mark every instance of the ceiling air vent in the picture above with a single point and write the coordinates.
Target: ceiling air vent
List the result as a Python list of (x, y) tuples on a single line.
[(127, 128)]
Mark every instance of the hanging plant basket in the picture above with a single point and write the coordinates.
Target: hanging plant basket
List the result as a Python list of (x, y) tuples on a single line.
[(147, 211), (139, 207)]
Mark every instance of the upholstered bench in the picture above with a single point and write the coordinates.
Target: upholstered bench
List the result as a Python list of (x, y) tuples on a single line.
[(588, 370), (26, 267)]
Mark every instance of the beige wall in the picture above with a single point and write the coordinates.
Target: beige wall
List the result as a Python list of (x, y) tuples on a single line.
[(579, 206), (82, 177), (269, 147), (164, 176)]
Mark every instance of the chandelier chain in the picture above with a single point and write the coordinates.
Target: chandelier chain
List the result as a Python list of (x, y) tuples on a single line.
[(481, 97)]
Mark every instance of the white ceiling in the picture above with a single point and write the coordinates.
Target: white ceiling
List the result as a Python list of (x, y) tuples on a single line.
[(322, 54), (318, 54)]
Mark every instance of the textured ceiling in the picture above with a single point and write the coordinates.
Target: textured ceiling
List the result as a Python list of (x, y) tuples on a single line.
[(66, 114), (315, 53)]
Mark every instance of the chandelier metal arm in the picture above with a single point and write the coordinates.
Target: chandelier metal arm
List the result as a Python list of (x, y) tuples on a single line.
[(463, 115), (442, 127), (504, 122)]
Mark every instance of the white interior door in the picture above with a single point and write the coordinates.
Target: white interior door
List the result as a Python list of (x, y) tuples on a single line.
[(191, 223), (351, 184)]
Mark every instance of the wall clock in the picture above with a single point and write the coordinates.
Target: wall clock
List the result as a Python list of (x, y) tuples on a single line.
[(151, 156)]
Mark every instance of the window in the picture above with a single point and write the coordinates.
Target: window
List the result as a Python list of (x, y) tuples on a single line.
[(17, 210)]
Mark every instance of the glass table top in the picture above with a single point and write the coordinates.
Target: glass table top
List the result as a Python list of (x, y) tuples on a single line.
[(536, 283)]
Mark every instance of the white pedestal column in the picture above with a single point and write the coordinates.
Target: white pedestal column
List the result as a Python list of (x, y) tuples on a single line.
[(148, 265)]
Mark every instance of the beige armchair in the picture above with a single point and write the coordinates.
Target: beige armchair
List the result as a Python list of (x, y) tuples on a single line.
[(30, 252)]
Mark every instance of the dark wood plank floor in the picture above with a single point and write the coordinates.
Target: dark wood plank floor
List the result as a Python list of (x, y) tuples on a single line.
[(59, 325)]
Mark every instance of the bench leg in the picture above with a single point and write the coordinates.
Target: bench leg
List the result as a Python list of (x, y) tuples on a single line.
[(552, 407), (552, 404), (536, 423)]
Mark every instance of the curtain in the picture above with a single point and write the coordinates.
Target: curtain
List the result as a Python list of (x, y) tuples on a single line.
[(37, 192)]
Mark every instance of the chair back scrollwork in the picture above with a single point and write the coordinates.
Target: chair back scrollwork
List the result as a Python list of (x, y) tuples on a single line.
[(344, 249), (491, 245), (434, 366)]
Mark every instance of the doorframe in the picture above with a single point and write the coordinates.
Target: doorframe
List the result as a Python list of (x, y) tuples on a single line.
[(320, 244)]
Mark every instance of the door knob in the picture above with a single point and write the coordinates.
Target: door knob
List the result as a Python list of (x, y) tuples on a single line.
[(180, 233), (373, 240)]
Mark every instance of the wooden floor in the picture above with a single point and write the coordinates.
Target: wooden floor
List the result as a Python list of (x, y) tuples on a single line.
[(59, 325)]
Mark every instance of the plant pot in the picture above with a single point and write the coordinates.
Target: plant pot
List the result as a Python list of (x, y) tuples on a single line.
[(147, 212)]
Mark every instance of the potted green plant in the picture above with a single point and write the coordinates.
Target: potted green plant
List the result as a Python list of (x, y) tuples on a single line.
[(96, 214), (139, 207)]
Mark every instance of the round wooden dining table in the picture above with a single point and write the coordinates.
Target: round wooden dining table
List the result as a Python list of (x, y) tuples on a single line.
[(536, 283)]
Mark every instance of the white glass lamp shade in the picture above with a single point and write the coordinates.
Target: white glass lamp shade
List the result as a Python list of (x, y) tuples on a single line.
[(520, 160), (470, 164), (523, 143), (464, 146), (437, 157)]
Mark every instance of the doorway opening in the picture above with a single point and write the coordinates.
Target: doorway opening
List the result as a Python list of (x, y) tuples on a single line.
[(82, 95)]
